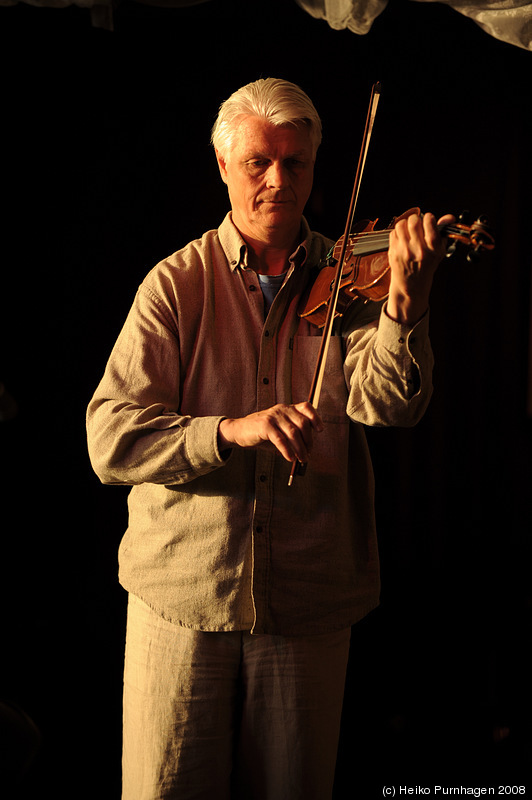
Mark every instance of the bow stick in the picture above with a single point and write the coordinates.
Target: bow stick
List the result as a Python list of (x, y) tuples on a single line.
[(314, 396)]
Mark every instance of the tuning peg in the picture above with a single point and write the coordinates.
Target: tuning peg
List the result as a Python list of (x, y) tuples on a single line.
[(451, 250), (473, 255)]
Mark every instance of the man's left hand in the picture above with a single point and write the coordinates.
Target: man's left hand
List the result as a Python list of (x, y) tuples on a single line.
[(416, 249)]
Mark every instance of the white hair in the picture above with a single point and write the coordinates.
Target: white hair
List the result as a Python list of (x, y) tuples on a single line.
[(272, 99)]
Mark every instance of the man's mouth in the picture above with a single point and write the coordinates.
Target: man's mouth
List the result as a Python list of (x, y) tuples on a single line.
[(276, 201)]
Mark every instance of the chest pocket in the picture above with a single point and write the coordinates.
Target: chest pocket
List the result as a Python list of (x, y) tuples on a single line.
[(333, 397)]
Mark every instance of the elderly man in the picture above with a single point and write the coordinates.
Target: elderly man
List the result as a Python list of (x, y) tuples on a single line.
[(242, 590)]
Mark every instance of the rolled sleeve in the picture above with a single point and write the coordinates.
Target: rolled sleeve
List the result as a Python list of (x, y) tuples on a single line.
[(388, 369)]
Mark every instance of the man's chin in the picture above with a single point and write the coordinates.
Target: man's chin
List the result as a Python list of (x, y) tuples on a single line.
[(279, 215)]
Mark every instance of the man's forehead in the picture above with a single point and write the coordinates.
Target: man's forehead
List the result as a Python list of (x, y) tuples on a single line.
[(255, 135)]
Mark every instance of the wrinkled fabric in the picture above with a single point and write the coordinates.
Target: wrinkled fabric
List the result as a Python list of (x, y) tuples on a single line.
[(229, 716), (218, 541), (355, 15), (508, 20)]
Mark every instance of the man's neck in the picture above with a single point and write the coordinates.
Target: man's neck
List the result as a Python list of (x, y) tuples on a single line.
[(268, 260), (270, 255)]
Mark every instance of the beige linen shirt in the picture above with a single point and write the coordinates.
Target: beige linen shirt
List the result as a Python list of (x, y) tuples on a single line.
[(218, 541)]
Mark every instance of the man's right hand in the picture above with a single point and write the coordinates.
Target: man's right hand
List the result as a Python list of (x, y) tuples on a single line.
[(287, 428)]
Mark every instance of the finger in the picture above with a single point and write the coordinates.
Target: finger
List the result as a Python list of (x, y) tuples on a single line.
[(308, 410), (409, 242), (287, 447), (400, 239), (433, 228), (295, 430), (447, 219), (290, 441), (418, 229), (414, 224), (416, 211), (431, 234), (434, 236), (402, 227), (410, 227), (300, 424)]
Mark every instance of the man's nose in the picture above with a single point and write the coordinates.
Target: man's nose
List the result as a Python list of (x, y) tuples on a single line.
[(277, 176)]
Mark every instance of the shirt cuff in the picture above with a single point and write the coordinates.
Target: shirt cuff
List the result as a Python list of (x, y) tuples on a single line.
[(401, 339), (202, 449)]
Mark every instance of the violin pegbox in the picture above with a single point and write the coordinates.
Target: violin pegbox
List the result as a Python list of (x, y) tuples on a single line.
[(477, 236)]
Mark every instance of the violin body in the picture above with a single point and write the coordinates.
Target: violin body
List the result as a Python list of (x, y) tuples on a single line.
[(365, 276), (366, 271)]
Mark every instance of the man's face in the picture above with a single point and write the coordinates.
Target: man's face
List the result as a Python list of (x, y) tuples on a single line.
[(268, 173)]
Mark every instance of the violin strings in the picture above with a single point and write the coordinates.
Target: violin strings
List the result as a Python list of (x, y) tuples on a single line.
[(384, 234), (372, 235)]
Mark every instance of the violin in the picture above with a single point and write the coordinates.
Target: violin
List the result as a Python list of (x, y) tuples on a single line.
[(365, 268), (358, 266)]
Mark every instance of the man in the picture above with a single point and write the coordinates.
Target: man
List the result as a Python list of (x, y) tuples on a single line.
[(242, 590)]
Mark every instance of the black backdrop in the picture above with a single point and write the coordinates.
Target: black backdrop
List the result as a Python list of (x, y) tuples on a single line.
[(106, 169)]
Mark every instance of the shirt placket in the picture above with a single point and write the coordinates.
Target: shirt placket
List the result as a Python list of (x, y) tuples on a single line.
[(268, 394), (264, 467)]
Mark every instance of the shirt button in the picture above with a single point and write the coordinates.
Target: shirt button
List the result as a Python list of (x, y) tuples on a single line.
[(259, 528), (401, 340), (266, 380), (252, 288), (262, 478)]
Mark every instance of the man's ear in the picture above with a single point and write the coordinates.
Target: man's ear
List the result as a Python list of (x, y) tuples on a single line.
[(222, 164)]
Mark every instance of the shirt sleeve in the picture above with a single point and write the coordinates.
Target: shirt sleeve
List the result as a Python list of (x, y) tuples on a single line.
[(388, 369), (136, 433)]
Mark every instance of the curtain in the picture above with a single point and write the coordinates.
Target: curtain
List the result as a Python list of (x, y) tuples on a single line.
[(508, 20)]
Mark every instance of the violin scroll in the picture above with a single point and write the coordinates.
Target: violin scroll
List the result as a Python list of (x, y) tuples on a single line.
[(477, 236)]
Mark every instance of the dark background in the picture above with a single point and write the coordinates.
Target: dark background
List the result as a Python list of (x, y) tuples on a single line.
[(106, 169)]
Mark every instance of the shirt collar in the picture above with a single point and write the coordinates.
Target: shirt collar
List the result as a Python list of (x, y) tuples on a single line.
[(236, 249)]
